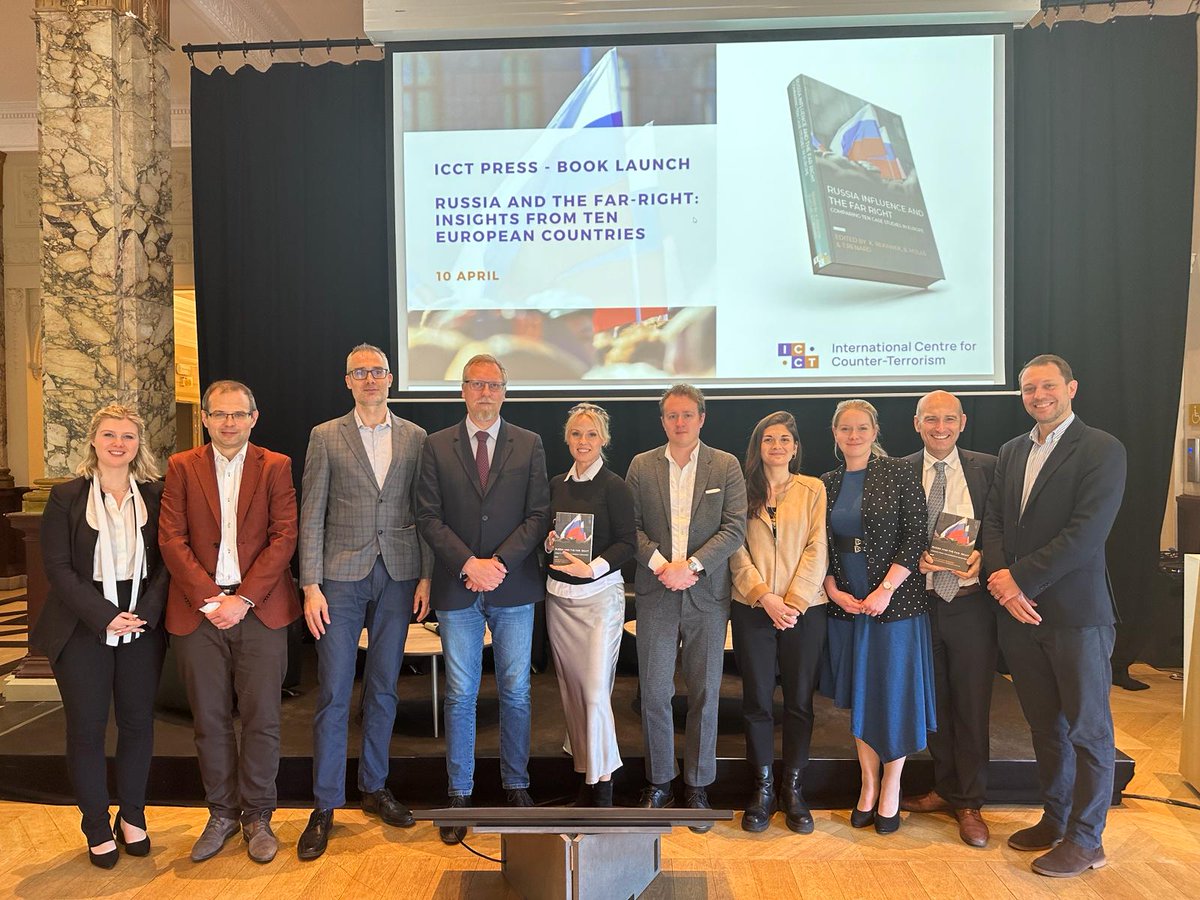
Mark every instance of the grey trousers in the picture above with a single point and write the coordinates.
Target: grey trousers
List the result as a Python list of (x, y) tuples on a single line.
[(249, 659), (664, 622)]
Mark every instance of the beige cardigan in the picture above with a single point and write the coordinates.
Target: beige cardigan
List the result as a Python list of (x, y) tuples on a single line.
[(791, 563)]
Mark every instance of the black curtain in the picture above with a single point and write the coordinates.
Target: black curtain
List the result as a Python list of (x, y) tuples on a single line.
[(292, 263)]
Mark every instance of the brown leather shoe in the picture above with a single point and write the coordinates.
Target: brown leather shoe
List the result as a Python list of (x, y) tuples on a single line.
[(971, 827), (924, 803), (1042, 836), (1068, 859)]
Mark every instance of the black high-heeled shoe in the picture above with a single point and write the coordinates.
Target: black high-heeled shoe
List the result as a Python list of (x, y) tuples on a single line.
[(887, 824), (103, 860), (860, 818), (133, 848)]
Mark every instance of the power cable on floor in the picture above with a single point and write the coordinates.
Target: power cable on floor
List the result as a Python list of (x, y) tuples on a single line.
[(1168, 800)]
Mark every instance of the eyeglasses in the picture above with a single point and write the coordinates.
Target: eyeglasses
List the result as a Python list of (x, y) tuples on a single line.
[(378, 373), (494, 386), (239, 416)]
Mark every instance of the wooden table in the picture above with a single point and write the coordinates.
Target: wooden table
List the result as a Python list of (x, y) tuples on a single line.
[(424, 641)]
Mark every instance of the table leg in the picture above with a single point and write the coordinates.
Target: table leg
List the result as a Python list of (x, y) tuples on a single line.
[(433, 669)]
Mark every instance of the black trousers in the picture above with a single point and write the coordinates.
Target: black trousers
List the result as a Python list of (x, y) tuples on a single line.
[(761, 649), (964, 667), (1063, 678), (92, 677)]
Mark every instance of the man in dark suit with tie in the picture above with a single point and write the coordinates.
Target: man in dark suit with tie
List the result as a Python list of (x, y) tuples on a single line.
[(361, 566), (227, 532), (962, 622), (483, 506), (1055, 496)]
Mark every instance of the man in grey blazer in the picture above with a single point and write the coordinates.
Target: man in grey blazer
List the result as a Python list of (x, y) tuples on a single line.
[(483, 504), (362, 564), (962, 622), (690, 510), (1055, 496)]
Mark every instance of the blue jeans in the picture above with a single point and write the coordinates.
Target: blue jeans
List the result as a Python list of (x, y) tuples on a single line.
[(384, 607), (461, 631)]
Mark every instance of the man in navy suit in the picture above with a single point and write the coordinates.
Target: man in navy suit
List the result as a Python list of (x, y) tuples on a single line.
[(483, 506), (962, 622), (1056, 493)]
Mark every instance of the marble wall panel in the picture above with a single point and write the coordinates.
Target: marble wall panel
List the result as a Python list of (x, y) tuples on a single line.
[(105, 172)]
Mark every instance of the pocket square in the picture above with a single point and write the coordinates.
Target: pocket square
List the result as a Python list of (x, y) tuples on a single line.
[(713, 491)]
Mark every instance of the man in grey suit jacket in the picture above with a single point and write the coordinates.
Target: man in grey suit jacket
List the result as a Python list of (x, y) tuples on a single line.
[(689, 505), (962, 623), (483, 504), (361, 565), (1055, 496)]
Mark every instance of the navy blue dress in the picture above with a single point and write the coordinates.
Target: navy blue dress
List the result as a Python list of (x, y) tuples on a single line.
[(881, 671)]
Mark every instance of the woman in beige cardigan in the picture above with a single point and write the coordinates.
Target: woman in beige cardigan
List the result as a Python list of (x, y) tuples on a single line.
[(779, 619)]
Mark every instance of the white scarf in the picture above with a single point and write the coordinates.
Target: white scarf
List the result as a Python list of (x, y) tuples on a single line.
[(97, 517)]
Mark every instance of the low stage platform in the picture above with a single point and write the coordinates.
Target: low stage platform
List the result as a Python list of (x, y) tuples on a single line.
[(32, 740)]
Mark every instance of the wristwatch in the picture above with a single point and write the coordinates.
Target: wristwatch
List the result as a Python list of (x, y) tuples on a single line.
[(887, 585), (694, 566)]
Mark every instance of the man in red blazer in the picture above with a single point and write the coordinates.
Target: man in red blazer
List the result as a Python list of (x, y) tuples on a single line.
[(227, 532)]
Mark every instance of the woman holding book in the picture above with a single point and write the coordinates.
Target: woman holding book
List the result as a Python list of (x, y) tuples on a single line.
[(101, 625), (879, 650), (585, 597), (778, 620)]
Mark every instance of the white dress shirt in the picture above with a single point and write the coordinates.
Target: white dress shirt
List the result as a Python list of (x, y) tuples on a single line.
[(1038, 454), (122, 530), (683, 485), (958, 496), (229, 485), (377, 441)]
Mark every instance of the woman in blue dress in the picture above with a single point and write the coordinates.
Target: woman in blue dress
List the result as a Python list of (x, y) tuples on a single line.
[(880, 659)]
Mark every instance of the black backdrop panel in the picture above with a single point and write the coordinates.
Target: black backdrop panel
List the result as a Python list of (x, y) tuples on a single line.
[(292, 262)]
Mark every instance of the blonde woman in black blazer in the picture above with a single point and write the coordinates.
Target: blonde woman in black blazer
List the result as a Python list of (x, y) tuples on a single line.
[(101, 626), (880, 653)]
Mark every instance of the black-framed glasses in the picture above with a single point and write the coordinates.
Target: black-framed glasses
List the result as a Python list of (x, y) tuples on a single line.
[(377, 372), (238, 416), (494, 386)]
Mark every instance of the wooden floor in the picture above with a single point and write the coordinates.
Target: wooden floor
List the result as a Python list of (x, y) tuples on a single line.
[(1153, 849)]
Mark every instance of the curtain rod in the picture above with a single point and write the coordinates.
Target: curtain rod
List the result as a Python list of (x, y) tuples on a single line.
[(246, 47)]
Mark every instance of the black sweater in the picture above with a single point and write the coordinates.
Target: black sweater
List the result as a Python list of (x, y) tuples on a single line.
[(608, 498)]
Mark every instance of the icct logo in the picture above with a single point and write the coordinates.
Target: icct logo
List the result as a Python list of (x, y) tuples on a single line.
[(798, 356)]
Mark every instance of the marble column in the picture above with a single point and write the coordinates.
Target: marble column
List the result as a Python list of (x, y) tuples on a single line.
[(104, 175)]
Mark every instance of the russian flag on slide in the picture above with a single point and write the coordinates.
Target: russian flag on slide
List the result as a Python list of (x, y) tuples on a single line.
[(863, 139), (596, 100), (575, 531)]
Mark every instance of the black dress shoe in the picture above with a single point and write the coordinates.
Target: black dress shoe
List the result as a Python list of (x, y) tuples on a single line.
[(797, 815), (381, 803), (454, 834), (315, 836), (133, 848), (104, 860), (761, 804), (602, 797), (697, 798), (1127, 681), (860, 819), (518, 797), (657, 796)]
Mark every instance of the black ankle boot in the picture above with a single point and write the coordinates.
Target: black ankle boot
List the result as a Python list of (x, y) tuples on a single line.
[(602, 794), (791, 798), (761, 804)]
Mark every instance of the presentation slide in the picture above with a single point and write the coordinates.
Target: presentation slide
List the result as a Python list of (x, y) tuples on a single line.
[(769, 214)]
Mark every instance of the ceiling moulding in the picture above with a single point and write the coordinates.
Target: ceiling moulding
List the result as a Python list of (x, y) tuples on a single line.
[(466, 20), (246, 20), (19, 133)]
